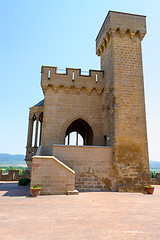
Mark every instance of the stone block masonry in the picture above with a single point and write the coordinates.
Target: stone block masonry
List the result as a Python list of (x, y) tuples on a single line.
[(52, 175), (71, 79), (106, 107), (92, 165), (13, 175), (68, 99), (119, 45)]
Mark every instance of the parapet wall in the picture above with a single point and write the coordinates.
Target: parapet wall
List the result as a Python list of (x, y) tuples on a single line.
[(156, 181), (13, 175), (124, 23), (71, 79)]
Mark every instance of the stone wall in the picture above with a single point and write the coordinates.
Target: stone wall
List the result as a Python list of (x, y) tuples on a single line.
[(156, 181), (119, 45), (67, 101), (52, 175), (13, 175), (92, 165)]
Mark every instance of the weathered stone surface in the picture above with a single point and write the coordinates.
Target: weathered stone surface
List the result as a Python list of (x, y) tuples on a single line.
[(92, 165), (121, 61), (109, 107)]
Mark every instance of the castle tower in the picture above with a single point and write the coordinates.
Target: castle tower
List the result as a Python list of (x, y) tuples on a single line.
[(106, 107), (119, 46)]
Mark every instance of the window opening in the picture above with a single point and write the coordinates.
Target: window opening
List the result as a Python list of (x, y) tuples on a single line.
[(96, 78), (49, 74)]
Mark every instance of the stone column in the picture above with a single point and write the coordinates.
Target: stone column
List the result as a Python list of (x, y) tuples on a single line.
[(30, 131), (76, 138), (40, 135), (36, 134)]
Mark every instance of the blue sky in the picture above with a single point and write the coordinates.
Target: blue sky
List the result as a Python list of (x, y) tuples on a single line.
[(62, 33)]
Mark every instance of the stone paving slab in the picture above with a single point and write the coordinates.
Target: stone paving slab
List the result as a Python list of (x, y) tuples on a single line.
[(92, 215)]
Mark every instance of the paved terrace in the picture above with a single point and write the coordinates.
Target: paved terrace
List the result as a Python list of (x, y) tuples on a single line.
[(96, 215)]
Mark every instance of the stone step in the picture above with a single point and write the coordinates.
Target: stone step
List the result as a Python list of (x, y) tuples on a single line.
[(93, 190), (75, 192)]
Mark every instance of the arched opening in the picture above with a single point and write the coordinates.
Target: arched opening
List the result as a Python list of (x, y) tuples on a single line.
[(36, 130), (80, 129)]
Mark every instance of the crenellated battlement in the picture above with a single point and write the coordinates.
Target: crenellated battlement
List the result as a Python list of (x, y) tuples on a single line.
[(120, 24), (72, 78)]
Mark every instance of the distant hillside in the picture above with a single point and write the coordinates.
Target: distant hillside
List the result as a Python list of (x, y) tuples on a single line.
[(18, 159), (154, 164), (8, 159)]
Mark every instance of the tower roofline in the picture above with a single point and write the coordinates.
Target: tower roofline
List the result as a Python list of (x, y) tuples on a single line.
[(110, 11)]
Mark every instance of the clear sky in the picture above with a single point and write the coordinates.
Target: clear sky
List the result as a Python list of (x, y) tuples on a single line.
[(62, 33)]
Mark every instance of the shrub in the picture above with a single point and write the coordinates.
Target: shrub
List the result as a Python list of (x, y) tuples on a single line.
[(153, 174), (11, 168), (20, 172), (24, 182)]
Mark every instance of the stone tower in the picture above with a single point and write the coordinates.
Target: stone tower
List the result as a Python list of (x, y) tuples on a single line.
[(119, 46), (106, 107)]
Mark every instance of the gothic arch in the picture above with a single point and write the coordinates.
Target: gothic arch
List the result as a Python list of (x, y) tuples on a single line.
[(87, 119), (83, 128)]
